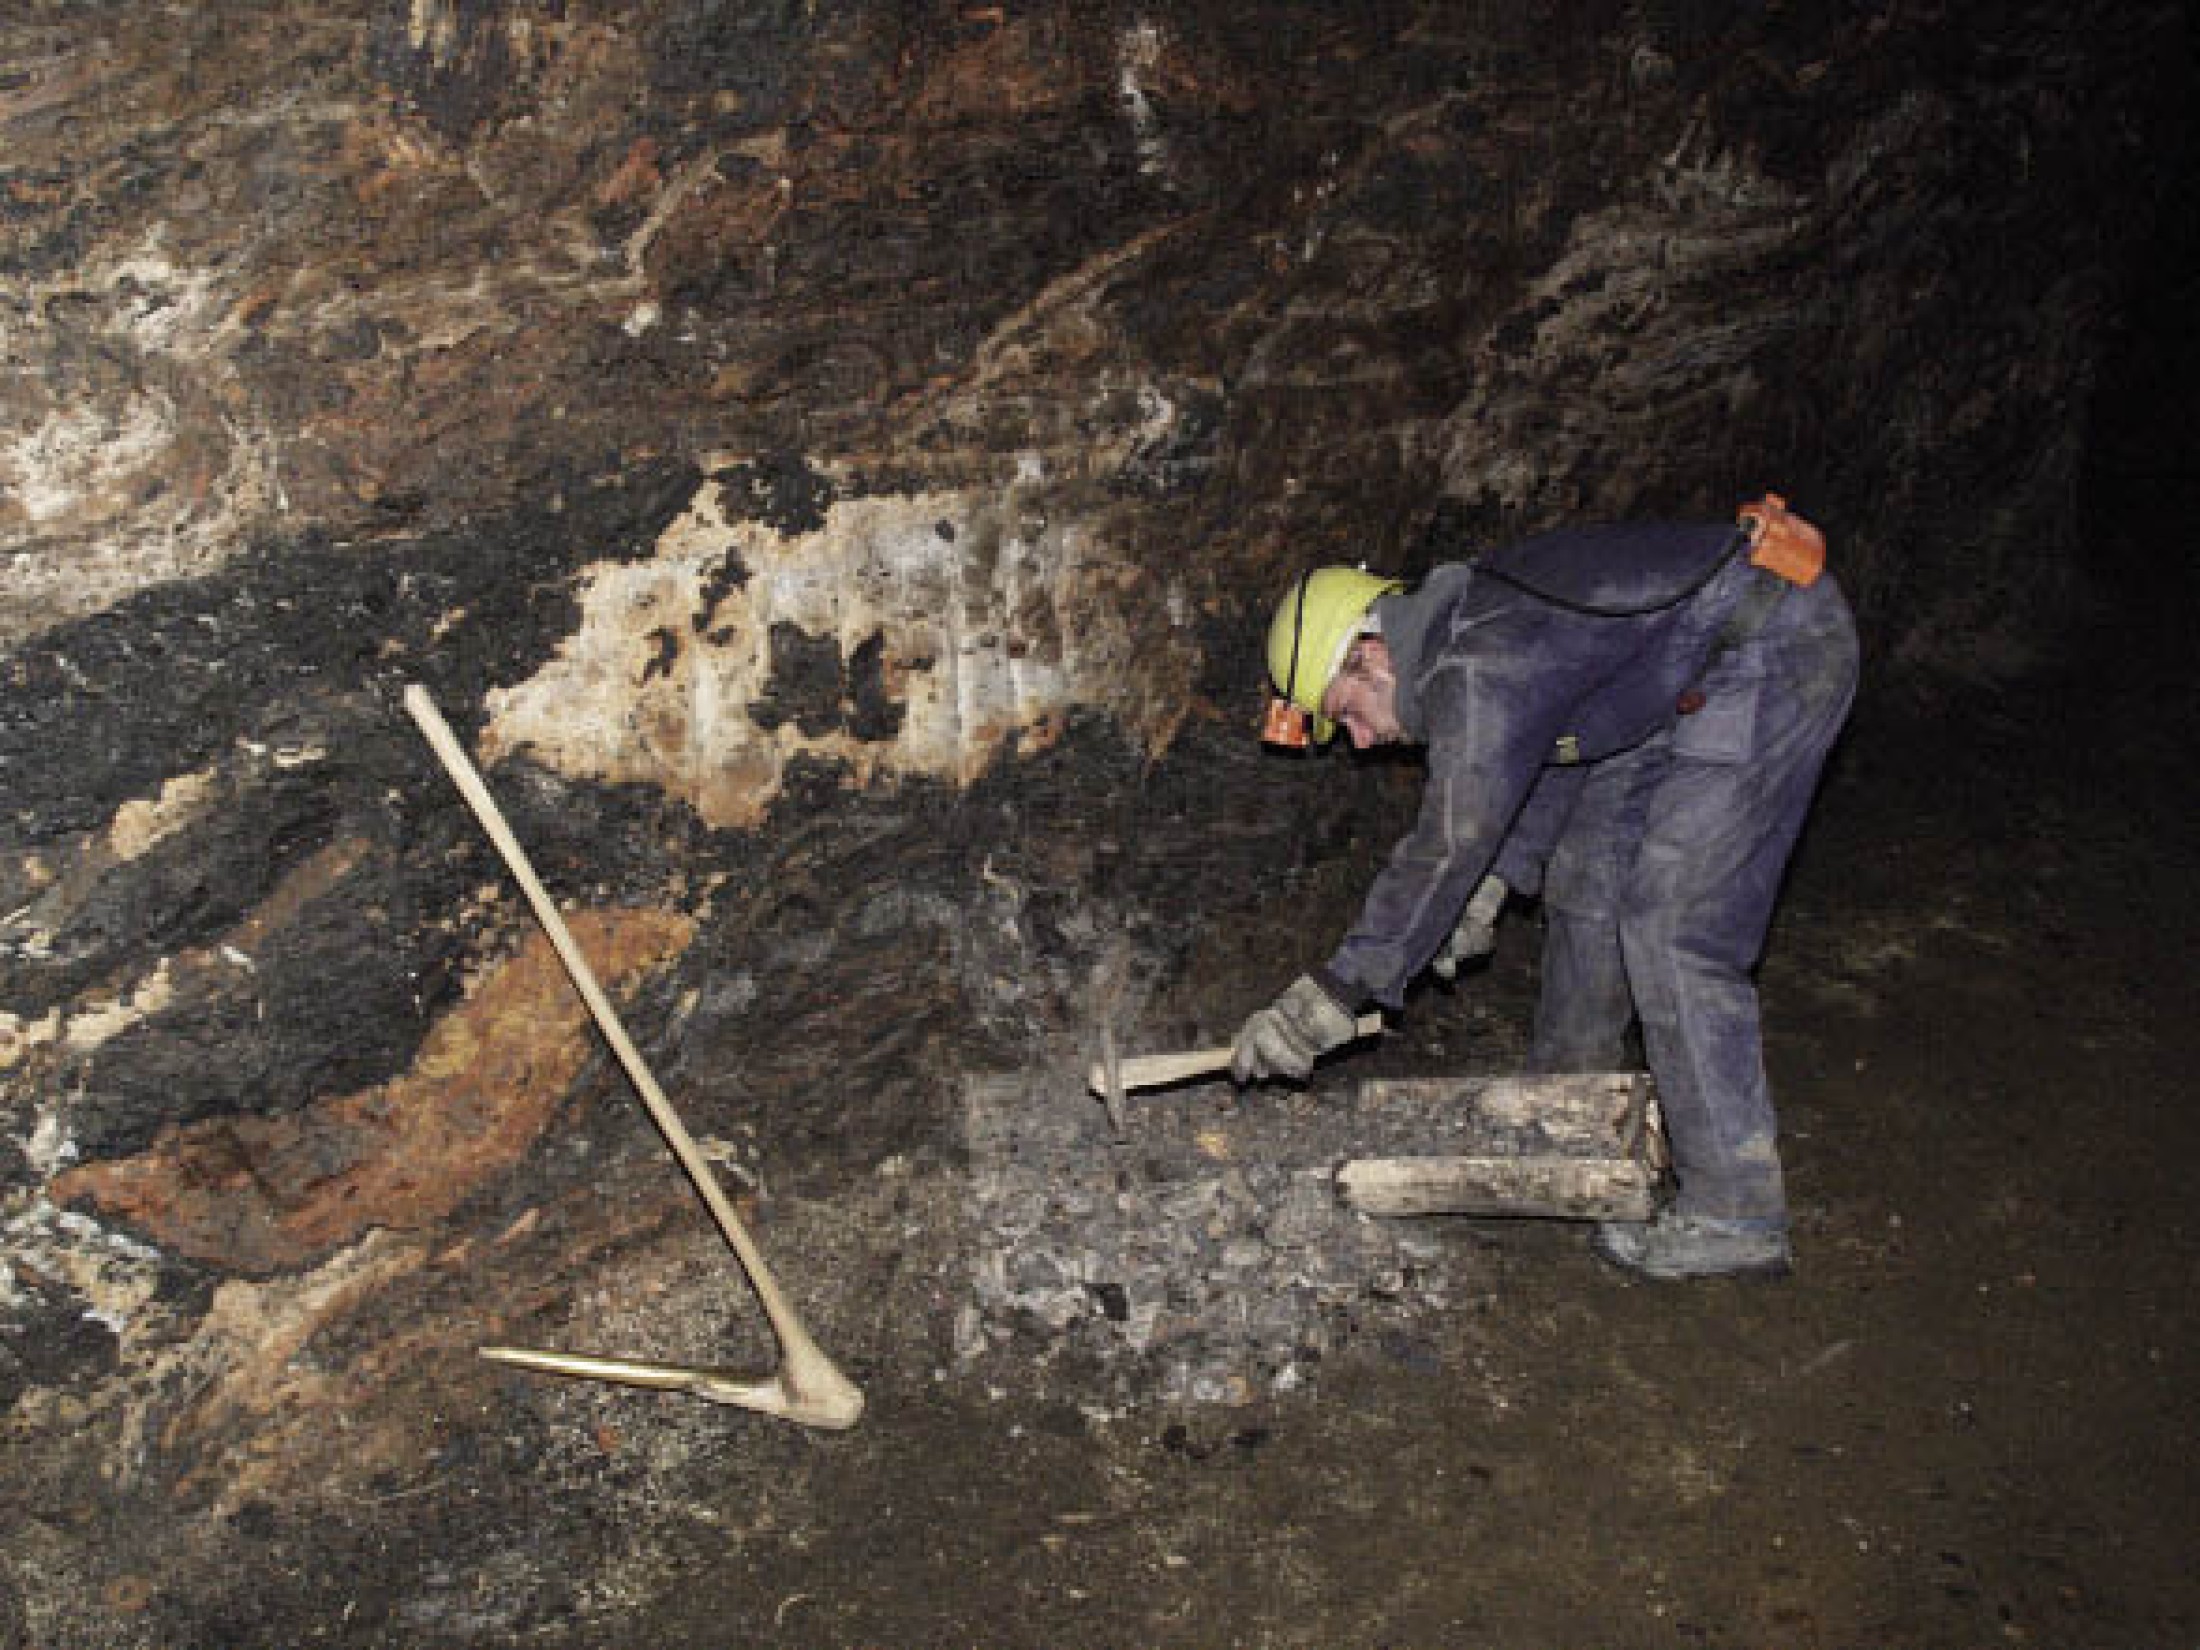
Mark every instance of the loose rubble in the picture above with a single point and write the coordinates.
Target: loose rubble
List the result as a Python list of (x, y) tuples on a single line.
[(1205, 1259)]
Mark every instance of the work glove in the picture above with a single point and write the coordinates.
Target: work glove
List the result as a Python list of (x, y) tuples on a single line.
[(1289, 1035), (1476, 935)]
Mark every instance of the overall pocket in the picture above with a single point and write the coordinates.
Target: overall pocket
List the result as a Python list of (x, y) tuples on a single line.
[(1723, 727)]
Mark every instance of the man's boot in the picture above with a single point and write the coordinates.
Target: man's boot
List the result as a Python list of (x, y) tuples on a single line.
[(1674, 1246)]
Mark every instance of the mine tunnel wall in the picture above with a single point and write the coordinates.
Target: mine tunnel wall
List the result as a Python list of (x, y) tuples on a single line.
[(831, 463)]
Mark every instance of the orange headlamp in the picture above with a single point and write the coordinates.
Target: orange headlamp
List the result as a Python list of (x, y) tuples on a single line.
[(1286, 726)]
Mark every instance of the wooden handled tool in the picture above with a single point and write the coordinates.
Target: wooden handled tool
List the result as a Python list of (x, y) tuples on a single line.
[(1154, 1071), (808, 1388)]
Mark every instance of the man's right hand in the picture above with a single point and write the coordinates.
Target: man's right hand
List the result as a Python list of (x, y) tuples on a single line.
[(1476, 935), (1289, 1035)]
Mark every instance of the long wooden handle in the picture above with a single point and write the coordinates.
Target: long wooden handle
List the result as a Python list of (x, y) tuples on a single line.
[(805, 1369), (1154, 1071)]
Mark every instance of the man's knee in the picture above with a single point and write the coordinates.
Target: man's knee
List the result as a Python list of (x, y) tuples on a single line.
[(1584, 881)]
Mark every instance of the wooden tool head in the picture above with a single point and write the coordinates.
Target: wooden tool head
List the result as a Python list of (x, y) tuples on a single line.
[(1111, 1081)]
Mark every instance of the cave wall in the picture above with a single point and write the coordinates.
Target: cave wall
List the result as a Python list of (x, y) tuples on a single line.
[(1262, 280), (830, 459)]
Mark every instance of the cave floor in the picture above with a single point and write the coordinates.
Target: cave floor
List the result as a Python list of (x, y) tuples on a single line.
[(1967, 1420)]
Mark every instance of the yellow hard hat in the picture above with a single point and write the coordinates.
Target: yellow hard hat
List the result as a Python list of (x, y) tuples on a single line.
[(1312, 630)]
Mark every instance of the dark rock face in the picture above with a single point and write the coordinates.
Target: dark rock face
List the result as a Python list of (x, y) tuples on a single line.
[(830, 462), (1284, 277)]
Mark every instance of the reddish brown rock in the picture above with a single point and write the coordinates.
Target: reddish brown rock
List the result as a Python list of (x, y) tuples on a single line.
[(265, 1194)]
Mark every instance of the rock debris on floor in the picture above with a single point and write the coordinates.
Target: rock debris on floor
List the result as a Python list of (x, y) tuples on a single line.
[(1204, 1259)]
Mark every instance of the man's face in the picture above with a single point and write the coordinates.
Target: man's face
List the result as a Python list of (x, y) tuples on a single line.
[(1363, 697)]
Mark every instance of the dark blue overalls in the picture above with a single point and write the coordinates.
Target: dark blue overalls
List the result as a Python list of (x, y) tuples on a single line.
[(1630, 721)]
